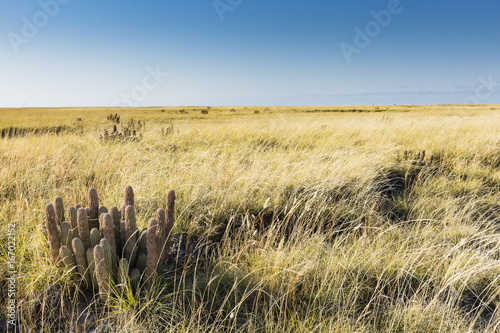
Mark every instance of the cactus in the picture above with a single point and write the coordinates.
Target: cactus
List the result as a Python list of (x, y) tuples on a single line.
[(130, 233), (91, 266), (66, 234), (103, 210), (111, 248), (123, 237), (115, 213), (142, 261), (135, 277), (93, 208), (72, 213), (108, 256), (170, 224), (52, 233), (422, 155), (81, 262), (152, 246), (67, 257), (123, 268), (95, 237), (101, 273), (141, 242), (59, 208), (128, 199), (109, 232), (162, 233)]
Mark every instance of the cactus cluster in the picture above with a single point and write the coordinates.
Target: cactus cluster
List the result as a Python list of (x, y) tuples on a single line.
[(167, 131), (418, 157), (114, 118), (104, 248), (131, 131)]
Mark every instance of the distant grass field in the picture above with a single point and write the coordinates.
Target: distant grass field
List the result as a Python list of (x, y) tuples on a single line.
[(316, 222)]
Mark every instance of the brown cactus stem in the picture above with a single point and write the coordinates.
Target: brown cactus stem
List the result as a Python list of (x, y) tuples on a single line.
[(93, 206), (83, 227), (67, 257), (128, 198), (170, 223), (123, 238), (108, 256), (101, 273), (91, 267), (52, 233), (72, 216), (109, 233), (115, 213), (81, 261), (152, 256), (162, 234), (102, 210), (95, 237), (59, 208), (130, 233), (66, 234)]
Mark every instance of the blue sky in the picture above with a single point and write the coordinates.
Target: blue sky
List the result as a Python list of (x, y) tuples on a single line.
[(248, 52)]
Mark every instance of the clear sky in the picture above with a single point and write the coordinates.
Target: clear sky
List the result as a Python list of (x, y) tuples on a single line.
[(248, 52)]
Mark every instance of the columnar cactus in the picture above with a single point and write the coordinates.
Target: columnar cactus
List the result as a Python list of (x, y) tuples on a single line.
[(170, 224), (83, 227), (67, 257), (109, 232), (128, 200), (130, 233), (152, 256), (95, 237), (52, 233), (91, 266), (93, 206), (123, 269), (72, 216), (101, 248), (81, 262), (59, 208), (115, 213), (101, 272), (66, 234)]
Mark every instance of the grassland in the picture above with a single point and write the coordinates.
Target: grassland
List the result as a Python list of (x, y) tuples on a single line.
[(310, 219)]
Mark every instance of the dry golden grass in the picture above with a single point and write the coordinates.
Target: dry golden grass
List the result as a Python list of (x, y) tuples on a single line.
[(327, 229)]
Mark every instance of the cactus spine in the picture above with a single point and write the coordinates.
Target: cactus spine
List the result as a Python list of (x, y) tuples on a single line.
[(52, 233), (81, 262), (152, 257), (83, 227), (59, 208)]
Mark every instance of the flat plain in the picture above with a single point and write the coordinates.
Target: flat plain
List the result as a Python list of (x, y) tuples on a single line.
[(305, 219)]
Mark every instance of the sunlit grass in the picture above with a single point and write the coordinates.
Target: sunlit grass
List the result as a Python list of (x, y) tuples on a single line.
[(318, 235)]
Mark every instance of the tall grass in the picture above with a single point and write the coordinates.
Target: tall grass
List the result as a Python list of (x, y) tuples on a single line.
[(305, 221)]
